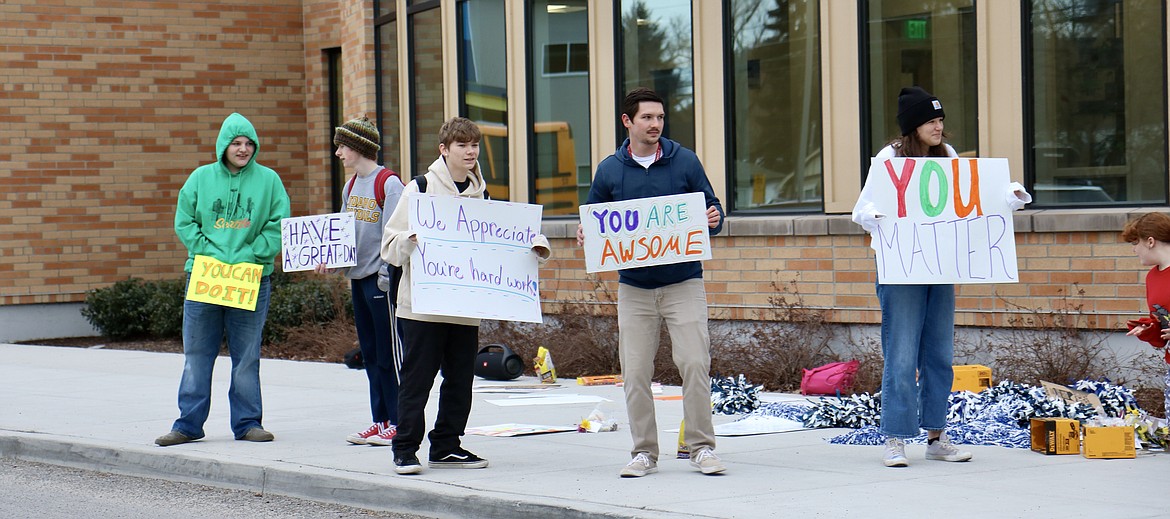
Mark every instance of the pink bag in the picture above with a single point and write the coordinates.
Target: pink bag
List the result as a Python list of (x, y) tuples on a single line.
[(831, 379)]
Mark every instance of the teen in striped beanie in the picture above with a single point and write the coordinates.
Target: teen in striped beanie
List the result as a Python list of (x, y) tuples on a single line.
[(360, 135)]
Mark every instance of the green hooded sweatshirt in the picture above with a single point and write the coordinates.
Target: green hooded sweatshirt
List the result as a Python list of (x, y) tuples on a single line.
[(232, 217)]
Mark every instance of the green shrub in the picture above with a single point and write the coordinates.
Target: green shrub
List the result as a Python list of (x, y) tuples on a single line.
[(134, 308), (120, 311), (166, 308), (299, 300)]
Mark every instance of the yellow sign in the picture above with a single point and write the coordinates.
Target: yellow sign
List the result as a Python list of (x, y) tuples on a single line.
[(218, 283)]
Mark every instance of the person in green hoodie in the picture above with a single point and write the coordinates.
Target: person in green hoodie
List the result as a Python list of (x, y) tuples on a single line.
[(230, 210)]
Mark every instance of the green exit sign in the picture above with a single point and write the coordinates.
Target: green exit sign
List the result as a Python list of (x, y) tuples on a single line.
[(916, 29)]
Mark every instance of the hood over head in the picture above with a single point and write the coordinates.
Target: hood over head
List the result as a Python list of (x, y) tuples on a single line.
[(234, 126)]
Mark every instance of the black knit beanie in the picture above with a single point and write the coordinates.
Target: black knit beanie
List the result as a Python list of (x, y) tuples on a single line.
[(360, 135), (915, 107)]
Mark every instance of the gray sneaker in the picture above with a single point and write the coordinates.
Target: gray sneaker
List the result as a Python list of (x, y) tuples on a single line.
[(640, 466), (707, 462), (173, 438), (895, 453), (943, 450), (257, 434)]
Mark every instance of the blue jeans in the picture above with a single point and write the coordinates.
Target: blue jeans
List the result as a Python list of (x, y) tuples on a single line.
[(918, 337), (204, 328)]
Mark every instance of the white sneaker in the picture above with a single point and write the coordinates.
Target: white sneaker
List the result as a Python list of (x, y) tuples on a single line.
[(640, 466), (895, 453), (707, 462), (943, 450)]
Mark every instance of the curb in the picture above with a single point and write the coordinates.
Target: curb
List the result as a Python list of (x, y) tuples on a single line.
[(362, 490)]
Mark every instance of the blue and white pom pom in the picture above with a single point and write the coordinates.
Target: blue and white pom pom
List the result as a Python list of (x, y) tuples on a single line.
[(731, 395)]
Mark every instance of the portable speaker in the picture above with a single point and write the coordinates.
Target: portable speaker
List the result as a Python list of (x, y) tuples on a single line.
[(498, 362)]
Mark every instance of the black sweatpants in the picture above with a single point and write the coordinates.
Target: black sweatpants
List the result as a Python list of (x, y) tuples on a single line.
[(428, 349)]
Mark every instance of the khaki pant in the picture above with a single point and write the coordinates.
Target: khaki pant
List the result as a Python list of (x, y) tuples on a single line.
[(683, 306)]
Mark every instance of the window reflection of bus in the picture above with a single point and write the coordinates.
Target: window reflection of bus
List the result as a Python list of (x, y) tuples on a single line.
[(555, 167)]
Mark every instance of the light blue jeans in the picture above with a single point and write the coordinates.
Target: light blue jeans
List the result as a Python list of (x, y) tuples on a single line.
[(204, 328), (918, 337)]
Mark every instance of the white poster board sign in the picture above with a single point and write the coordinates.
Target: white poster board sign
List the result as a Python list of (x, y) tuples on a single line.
[(307, 241), (947, 221), (645, 231), (474, 258)]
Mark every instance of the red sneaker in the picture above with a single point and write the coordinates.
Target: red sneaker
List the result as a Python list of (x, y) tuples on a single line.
[(384, 438), (362, 438)]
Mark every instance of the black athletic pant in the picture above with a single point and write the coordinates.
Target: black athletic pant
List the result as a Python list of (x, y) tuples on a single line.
[(428, 349)]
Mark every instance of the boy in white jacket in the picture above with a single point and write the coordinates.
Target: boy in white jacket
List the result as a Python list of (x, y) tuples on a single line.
[(434, 343)]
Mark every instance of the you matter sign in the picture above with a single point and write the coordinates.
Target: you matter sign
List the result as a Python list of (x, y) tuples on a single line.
[(947, 220)]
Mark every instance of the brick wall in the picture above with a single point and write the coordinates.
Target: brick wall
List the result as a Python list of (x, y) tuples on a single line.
[(106, 107)]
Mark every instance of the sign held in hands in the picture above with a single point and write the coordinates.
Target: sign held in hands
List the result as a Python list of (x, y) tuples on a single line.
[(218, 283), (947, 221), (308, 241), (645, 231), (474, 258)]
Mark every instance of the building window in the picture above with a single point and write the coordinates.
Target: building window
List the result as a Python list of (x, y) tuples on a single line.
[(389, 115), (425, 51), (928, 44), (1096, 86), (773, 62), (559, 131), (483, 87), (656, 52)]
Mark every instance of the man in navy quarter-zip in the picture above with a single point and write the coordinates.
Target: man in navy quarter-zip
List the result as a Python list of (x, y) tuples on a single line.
[(649, 165)]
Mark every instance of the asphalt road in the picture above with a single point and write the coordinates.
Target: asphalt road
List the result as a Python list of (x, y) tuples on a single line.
[(39, 491)]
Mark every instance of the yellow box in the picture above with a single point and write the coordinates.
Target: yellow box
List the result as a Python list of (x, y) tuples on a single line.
[(1056, 436), (1109, 442), (971, 377)]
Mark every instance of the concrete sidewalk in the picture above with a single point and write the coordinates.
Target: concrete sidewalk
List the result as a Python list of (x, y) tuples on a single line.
[(102, 409)]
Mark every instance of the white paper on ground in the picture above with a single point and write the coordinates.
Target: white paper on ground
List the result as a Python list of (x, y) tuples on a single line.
[(750, 425), (518, 400), (517, 429), (525, 388)]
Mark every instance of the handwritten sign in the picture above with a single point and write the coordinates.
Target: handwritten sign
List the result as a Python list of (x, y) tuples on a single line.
[(218, 283), (947, 221), (474, 258), (307, 241), (645, 231)]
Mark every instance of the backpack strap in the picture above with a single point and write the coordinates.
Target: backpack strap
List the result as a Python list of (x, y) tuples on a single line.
[(380, 185), (384, 174)]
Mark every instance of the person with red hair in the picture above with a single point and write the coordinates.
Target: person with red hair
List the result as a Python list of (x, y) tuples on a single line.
[(1149, 234)]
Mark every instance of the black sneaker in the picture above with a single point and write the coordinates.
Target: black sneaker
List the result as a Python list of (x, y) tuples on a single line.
[(407, 464), (460, 459)]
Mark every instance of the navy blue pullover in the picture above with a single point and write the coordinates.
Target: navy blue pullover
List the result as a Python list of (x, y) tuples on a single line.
[(678, 171)]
